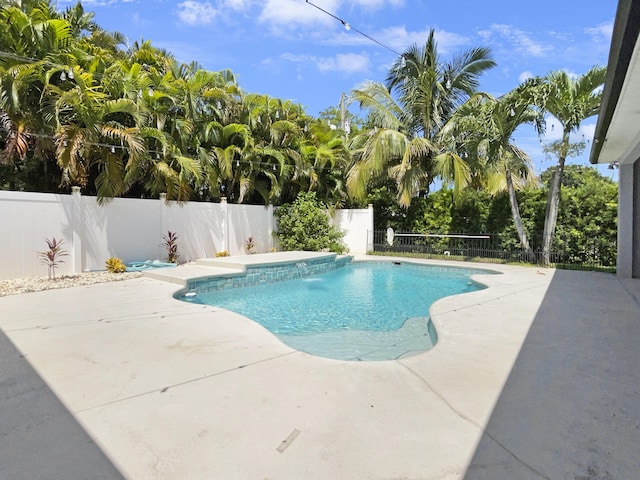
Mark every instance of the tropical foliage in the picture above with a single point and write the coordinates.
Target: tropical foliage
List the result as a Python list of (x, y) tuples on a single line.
[(406, 141), (587, 219), (78, 108)]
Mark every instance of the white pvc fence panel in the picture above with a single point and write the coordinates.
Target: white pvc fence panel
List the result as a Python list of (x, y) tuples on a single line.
[(25, 220), (132, 230), (358, 228), (200, 228)]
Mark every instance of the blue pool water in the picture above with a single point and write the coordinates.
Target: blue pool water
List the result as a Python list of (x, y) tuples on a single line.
[(361, 311)]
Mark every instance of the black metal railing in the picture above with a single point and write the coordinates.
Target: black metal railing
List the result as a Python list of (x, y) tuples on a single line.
[(594, 252)]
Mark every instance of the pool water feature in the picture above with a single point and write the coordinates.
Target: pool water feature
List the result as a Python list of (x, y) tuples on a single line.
[(358, 311)]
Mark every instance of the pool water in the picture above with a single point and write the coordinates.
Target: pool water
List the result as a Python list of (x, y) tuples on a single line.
[(362, 311)]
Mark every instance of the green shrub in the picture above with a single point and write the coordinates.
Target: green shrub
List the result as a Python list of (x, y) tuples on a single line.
[(304, 225), (115, 265)]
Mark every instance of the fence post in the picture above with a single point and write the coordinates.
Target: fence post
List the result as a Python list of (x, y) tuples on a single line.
[(370, 230), (271, 223), (77, 222), (163, 220), (225, 223), (163, 213)]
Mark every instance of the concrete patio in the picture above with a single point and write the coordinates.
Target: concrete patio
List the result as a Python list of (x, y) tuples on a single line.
[(534, 377)]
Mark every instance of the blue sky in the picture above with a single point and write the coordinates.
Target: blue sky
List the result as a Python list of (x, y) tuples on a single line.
[(290, 50)]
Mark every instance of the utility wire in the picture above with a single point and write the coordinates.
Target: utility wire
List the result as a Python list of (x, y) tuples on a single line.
[(348, 26)]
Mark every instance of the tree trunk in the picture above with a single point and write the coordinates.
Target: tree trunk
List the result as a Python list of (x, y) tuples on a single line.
[(517, 219), (551, 213)]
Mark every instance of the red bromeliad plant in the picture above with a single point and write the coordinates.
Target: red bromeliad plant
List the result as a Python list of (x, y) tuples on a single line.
[(51, 257)]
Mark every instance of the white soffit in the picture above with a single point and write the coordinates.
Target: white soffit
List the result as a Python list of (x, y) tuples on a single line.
[(623, 136)]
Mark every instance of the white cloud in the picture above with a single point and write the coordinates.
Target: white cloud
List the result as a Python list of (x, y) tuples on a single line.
[(294, 13), (604, 31), (519, 39), (343, 62), (526, 75), (398, 38), (196, 13), (237, 5), (377, 4)]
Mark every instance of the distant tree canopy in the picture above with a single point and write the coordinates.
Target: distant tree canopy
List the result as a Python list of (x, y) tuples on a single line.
[(588, 213)]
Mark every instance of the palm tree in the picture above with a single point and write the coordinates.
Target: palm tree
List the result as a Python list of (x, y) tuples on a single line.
[(404, 140), (491, 124), (33, 40), (570, 100), (387, 149), (430, 90), (327, 159), (80, 21)]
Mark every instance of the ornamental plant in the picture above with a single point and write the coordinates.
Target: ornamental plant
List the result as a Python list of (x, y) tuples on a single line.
[(304, 225), (115, 265), (250, 246), (171, 244), (51, 256)]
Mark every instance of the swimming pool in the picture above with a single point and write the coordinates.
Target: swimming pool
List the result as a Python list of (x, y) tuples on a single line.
[(360, 311)]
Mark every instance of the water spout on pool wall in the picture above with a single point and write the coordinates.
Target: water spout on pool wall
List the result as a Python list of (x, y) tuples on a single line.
[(302, 268)]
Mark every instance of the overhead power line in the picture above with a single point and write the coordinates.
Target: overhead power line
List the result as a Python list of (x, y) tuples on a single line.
[(348, 26)]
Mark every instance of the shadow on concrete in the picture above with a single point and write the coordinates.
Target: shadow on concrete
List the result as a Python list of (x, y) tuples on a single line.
[(39, 438), (570, 408)]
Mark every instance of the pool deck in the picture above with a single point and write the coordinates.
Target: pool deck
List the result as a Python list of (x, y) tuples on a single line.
[(535, 377)]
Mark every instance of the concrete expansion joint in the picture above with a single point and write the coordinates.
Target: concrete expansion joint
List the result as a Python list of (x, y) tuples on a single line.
[(464, 417), (516, 457), (631, 294), (186, 382), (60, 325), (457, 412), (488, 300)]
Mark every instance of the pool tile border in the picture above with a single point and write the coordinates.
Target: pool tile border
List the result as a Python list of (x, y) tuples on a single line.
[(260, 275)]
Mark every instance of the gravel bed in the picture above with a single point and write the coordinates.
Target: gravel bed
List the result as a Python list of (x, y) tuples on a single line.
[(37, 284)]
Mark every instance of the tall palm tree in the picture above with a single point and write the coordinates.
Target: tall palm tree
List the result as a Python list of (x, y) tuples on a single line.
[(430, 90), (405, 140), (491, 124), (570, 100)]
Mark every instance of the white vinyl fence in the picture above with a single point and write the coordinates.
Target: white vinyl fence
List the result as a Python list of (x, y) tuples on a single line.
[(132, 230)]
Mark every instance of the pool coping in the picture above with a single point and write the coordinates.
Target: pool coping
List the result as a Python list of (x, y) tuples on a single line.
[(231, 266)]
